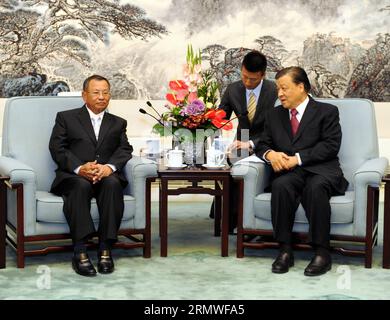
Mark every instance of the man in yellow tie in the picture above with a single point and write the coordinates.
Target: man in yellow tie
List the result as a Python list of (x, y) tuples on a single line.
[(249, 99)]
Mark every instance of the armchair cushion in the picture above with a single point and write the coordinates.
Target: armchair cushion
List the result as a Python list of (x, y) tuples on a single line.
[(49, 208), (341, 206)]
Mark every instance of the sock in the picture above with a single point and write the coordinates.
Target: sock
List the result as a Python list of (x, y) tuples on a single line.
[(105, 245), (285, 247), (322, 251), (80, 247)]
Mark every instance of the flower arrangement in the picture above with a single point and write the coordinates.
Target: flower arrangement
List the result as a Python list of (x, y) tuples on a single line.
[(193, 101)]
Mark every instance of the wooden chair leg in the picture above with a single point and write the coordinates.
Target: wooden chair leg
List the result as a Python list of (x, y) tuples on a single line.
[(148, 215), (20, 254), (240, 246), (370, 224), (368, 259), (20, 225), (376, 213), (3, 218), (147, 244)]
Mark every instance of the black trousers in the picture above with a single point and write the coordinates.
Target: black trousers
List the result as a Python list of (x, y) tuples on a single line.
[(77, 193), (313, 192)]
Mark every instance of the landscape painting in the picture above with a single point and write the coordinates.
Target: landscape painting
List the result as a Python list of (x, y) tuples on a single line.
[(51, 46)]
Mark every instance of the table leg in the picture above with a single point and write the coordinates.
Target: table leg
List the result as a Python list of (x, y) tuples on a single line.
[(164, 218), (159, 208), (217, 212), (386, 228), (225, 218)]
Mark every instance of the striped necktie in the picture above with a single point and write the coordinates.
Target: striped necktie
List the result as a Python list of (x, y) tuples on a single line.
[(251, 107)]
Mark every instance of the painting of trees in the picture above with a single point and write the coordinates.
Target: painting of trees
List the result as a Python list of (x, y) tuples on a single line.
[(56, 29), (49, 46), (273, 49), (212, 54), (371, 77), (324, 83)]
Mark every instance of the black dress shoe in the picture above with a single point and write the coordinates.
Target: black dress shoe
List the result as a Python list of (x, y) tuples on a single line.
[(318, 265), (283, 262), (105, 262), (82, 265)]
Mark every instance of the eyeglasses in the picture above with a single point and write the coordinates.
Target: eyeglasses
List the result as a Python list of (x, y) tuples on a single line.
[(98, 93)]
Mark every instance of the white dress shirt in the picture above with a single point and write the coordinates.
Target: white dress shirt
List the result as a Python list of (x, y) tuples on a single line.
[(300, 111), (96, 120)]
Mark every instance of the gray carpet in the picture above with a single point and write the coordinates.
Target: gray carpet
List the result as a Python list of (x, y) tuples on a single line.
[(193, 269)]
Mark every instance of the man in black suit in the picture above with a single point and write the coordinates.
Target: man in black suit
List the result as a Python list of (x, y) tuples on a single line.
[(301, 141), (248, 99), (90, 147)]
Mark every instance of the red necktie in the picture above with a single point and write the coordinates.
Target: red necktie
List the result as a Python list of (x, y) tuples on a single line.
[(294, 121)]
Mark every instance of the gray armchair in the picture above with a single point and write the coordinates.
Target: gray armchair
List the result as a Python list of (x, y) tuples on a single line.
[(354, 217), (35, 215)]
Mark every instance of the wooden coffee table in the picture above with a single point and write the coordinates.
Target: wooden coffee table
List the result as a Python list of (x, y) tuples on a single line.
[(194, 175)]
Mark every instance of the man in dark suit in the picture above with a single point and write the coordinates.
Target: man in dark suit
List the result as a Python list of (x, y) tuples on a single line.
[(248, 99), (301, 141), (90, 147)]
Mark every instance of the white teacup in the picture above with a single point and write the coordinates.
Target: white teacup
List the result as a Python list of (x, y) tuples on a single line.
[(174, 158), (215, 157)]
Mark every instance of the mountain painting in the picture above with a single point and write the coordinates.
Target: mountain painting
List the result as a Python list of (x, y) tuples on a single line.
[(50, 46)]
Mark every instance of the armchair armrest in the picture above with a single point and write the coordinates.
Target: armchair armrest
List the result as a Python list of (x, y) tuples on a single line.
[(137, 169), (18, 172), (256, 176), (373, 170), (369, 173)]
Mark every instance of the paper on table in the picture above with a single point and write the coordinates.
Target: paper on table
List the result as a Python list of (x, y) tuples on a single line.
[(252, 158)]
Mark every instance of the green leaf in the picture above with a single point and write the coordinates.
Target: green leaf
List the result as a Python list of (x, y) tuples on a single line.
[(159, 129)]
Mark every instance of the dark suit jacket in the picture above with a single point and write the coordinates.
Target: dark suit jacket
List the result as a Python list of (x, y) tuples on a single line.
[(317, 141), (73, 143), (234, 100)]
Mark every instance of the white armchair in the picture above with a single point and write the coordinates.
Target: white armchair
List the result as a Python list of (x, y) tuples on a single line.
[(33, 213), (354, 217)]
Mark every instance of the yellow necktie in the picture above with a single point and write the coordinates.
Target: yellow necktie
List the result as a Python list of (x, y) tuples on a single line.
[(251, 107)]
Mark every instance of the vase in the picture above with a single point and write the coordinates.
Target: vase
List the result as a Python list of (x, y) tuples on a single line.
[(194, 152)]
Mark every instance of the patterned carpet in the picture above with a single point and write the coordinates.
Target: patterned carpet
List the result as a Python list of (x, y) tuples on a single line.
[(193, 270)]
